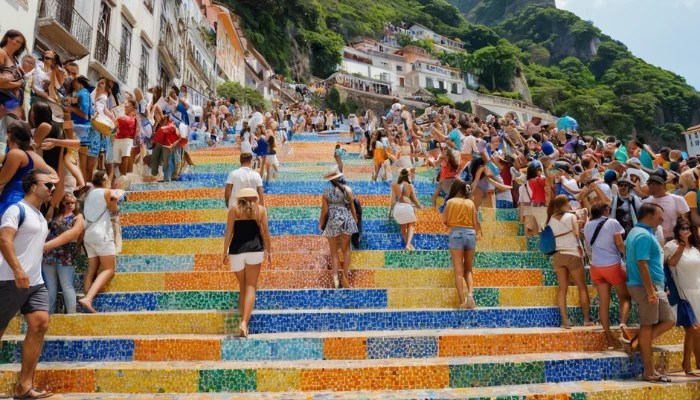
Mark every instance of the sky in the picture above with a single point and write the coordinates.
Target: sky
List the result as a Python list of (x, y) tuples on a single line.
[(661, 32)]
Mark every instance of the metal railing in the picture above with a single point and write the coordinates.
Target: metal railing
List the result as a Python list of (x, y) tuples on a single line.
[(113, 60), (69, 18), (143, 80)]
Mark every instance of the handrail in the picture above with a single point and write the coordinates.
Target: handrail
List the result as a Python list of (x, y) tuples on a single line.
[(115, 61), (69, 18)]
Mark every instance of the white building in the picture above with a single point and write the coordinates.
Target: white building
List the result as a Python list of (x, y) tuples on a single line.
[(198, 72), (692, 140), (419, 31), (19, 15)]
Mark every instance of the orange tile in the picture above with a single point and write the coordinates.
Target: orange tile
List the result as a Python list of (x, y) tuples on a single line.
[(155, 195), (345, 348), (381, 378), (66, 381), (506, 277), (177, 350), (159, 217), (175, 281)]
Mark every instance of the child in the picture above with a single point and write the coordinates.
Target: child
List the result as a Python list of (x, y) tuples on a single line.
[(338, 154)]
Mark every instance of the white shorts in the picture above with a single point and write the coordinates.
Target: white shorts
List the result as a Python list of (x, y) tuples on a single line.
[(272, 159), (100, 249), (239, 261), (121, 149)]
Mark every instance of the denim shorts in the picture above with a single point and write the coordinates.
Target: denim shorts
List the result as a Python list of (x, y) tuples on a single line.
[(462, 239)]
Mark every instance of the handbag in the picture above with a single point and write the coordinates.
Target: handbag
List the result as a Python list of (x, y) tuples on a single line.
[(686, 315), (103, 124)]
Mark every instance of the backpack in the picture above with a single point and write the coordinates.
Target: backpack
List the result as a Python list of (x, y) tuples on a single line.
[(22, 213), (548, 241)]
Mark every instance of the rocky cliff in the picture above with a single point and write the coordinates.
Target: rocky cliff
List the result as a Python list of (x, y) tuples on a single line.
[(492, 12)]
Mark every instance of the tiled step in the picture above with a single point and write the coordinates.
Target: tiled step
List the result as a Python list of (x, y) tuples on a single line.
[(320, 346), (312, 299), (313, 260), (370, 241), (681, 388), (277, 227), (217, 322), (363, 278), (337, 376)]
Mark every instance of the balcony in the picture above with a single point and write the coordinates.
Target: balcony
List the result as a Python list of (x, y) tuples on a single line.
[(197, 66), (167, 48), (435, 69), (59, 22), (143, 80), (109, 61)]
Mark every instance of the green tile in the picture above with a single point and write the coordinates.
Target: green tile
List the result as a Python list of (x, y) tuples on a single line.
[(196, 300), (220, 380), (486, 297), (7, 352), (483, 375), (171, 205)]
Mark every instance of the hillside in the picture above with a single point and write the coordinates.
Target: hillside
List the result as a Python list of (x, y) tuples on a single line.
[(491, 12), (570, 65)]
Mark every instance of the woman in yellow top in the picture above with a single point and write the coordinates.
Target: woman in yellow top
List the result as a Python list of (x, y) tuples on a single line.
[(460, 218)]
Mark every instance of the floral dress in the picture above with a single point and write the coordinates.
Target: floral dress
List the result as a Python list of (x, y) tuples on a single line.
[(63, 254), (340, 220)]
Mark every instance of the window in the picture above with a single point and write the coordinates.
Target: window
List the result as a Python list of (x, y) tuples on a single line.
[(399, 68), (441, 84), (125, 49), (103, 22), (149, 5), (429, 83), (143, 68), (454, 88)]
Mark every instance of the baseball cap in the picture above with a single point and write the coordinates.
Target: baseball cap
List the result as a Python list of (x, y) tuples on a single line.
[(656, 178)]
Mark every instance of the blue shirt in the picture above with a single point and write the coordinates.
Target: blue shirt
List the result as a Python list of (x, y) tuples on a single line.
[(456, 137), (642, 245), (83, 96)]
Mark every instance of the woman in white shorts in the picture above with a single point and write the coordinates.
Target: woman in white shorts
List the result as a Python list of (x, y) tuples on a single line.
[(406, 161), (403, 197), (247, 240), (99, 238)]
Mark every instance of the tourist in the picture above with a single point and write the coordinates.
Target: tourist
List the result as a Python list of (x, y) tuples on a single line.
[(12, 45), (165, 141), (337, 222), (272, 161), (673, 206), (625, 204), (40, 118), (338, 154), (21, 158), (448, 173), (403, 198), (568, 259), (60, 251), (261, 150), (406, 158), (256, 118), (605, 237), (243, 177), (246, 243), (645, 282), (99, 237), (682, 254), (80, 108), (22, 288), (461, 219), (127, 126)]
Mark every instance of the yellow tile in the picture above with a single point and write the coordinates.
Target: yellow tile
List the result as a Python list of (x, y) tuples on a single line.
[(211, 215), (8, 380), (14, 327), (367, 259), (423, 298), (142, 323), (173, 246), (500, 228), (539, 296), (673, 336), (137, 282), (147, 380), (278, 380), (501, 243), (419, 278)]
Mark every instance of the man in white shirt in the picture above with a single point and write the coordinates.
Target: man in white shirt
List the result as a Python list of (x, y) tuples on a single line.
[(241, 178), (673, 205), (23, 232), (256, 119)]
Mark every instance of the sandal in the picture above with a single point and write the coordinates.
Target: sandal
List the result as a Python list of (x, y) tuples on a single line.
[(657, 379), (243, 330), (38, 394), (565, 326), (627, 345), (690, 372)]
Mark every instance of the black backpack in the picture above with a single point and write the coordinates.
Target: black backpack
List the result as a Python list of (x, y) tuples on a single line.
[(357, 237)]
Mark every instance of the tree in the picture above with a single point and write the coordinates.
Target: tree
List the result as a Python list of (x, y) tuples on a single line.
[(244, 95), (496, 64), (670, 132)]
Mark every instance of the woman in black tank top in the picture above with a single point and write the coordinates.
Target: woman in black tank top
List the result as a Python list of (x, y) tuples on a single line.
[(246, 244)]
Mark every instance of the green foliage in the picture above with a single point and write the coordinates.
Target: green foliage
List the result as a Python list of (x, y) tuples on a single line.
[(670, 132), (465, 106), (495, 65), (244, 95), (444, 100), (333, 99)]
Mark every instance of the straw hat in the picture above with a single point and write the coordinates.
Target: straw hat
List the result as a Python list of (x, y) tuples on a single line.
[(247, 192), (333, 173)]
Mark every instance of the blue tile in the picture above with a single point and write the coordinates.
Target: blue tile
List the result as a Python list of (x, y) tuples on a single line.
[(272, 350), (402, 347)]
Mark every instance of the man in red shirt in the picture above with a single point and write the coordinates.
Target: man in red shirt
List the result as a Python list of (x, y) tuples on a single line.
[(124, 139), (165, 141)]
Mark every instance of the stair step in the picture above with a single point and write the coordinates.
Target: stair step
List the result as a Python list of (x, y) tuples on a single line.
[(332, 375), (320, 346), (312, 299), (681, 388), (316, 279), (370, 241), (278, 321), (373, 259)]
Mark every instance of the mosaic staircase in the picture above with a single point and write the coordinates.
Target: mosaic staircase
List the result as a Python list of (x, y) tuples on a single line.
[(168, 318)]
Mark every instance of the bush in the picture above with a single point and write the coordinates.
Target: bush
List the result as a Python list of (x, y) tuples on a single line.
[(465, 106), (444, 100), (244, 95)]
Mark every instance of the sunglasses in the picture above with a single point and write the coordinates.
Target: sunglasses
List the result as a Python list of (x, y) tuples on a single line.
[(685, 228), (48, 58), (49, 185)]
